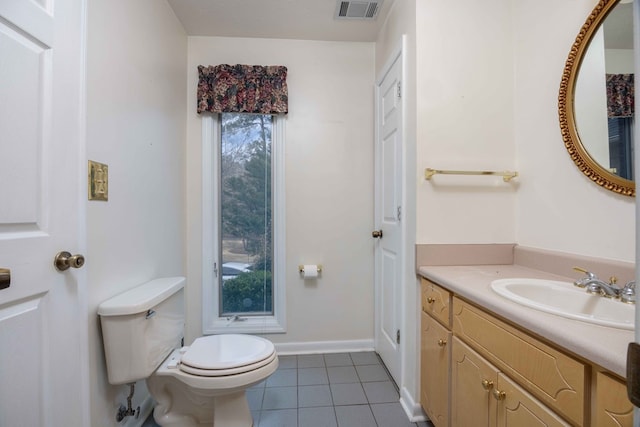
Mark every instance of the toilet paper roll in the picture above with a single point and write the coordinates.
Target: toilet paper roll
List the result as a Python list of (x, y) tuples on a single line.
[(310, 271)]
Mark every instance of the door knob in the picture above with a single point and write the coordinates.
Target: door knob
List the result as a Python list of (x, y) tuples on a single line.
[(5, 278), (377, 234), (64, 260)]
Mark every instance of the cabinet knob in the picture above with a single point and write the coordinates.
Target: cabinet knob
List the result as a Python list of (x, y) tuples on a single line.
[(487, 384), (430, 300), (442, 343), (499, 395)]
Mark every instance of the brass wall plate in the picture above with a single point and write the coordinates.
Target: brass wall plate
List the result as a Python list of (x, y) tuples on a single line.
[(98, 181)]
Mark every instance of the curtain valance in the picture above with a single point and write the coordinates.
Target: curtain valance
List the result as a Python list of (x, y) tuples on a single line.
[(242, 89), (620, 97)]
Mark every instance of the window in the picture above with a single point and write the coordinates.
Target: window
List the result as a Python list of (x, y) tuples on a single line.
[(621, 146), (243, 223)]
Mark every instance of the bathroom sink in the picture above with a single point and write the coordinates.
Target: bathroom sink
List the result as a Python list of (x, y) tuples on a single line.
[(565, 299)]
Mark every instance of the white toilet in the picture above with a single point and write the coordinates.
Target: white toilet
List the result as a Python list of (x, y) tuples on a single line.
[(203, 384)]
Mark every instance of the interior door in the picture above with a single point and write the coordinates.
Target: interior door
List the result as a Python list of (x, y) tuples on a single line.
[(43, 350), (388, 218)]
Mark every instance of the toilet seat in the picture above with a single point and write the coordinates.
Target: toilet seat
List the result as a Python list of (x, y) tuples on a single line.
[(223, 355)]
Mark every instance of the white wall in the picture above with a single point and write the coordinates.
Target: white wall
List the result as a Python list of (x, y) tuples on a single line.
[(558, 207), (136, 123), (619, 61), (465, 121), (329, 182)]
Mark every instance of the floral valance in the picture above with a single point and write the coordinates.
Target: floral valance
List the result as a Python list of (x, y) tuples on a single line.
[(620, 97), (242, 89)]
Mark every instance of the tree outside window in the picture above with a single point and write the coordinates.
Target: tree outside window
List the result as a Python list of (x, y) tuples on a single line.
[(246, 215)]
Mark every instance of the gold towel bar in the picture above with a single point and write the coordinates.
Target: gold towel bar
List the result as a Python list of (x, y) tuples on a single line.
[(506, 175)]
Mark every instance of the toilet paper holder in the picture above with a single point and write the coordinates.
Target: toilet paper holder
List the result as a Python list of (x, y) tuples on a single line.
[(301, 268)]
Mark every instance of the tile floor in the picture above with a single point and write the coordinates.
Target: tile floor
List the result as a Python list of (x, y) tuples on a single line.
[(327, 390)]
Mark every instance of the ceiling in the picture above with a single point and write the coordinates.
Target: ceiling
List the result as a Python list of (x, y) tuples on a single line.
[(282, 19)]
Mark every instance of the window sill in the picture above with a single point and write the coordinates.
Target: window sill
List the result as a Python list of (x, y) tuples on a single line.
[(252, 325)]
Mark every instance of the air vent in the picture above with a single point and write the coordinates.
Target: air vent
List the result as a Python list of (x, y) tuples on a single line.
[(358, 9)]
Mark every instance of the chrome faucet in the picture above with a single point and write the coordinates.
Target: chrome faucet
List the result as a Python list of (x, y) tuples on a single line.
[(596, 286), (628, 293)]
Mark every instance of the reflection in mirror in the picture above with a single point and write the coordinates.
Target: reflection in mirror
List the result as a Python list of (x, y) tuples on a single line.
[(604, 93), (596, 97)]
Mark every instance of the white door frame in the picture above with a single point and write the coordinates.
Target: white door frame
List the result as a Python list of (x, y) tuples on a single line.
[(397, 55)]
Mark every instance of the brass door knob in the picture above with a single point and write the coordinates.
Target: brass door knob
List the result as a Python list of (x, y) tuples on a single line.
[(5, 278), (64, 260), (442, 343), (430, 300), (377, 234)]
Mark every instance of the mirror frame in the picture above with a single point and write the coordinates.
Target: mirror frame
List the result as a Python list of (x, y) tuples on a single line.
[(587, 165)]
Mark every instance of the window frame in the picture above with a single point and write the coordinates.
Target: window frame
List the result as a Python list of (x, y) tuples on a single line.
[(212, 322)]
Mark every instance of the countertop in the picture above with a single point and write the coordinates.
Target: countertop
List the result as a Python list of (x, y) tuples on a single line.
[(601, 345)]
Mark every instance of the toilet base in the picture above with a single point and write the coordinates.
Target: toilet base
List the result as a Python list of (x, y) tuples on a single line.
[(231, 410), (185, 400)]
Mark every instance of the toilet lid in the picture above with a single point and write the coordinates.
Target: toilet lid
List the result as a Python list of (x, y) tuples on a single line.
[(222, 352)]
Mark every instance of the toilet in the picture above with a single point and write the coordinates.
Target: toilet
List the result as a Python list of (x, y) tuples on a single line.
[(203, 384)]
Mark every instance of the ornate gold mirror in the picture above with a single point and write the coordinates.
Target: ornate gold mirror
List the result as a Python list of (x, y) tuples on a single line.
[(598, 139)]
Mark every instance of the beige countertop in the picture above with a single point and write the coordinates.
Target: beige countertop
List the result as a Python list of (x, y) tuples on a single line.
[(601, 345)]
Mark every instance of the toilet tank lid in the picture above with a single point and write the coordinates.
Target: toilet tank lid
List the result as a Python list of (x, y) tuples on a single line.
[(141, 298)]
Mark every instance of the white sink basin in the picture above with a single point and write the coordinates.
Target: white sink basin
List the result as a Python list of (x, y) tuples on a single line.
[(564, 299)]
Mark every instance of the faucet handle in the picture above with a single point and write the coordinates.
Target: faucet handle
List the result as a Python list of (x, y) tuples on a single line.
[(581, 283), (582, 270), (628, 293)]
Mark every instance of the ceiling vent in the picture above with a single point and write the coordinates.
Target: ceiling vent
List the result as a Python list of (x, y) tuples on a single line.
[(354, 9)]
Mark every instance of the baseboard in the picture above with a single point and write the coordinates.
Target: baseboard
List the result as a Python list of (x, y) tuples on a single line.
[(145, 410), (323, 347), (411, 408)]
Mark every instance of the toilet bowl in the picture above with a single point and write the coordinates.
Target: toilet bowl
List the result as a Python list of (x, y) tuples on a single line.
[(203, 384)]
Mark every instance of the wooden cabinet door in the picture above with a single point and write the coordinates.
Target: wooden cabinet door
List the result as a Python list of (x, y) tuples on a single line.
[(472, 381), (612, 407), (434, 370), (517, 408)]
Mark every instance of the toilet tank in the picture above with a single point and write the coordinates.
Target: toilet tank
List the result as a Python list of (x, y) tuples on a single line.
[(140, 327)]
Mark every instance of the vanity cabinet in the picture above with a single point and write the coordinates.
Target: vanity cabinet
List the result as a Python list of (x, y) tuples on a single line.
[(483, 396), (612, 407), (551, 376), (435, 354), (479, 370)]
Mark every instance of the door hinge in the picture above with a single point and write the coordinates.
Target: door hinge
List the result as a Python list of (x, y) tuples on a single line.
[(215, 269), (399, 87), (398, 336), (399, 212)]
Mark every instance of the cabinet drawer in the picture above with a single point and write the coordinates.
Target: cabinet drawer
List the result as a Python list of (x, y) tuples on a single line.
[(550, 375), (612, 407), (436, 301)]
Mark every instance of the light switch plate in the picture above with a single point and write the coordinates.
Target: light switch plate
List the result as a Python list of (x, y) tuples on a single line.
[(98, 181)]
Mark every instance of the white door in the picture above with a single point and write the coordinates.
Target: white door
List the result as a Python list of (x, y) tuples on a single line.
[(43, 320), (388, 219)]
